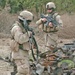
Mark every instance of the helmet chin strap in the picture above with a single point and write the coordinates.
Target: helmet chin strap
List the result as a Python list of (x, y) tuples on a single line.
[(20, 18)]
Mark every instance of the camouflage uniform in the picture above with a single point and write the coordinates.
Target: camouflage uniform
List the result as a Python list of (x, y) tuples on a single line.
[(50, 34), (20, 45)]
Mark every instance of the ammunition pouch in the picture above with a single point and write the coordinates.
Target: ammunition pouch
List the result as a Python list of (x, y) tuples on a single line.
[(48, 29), (14, 45)]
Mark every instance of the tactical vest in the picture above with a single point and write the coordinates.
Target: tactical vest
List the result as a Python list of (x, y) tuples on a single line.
[(49, 29)]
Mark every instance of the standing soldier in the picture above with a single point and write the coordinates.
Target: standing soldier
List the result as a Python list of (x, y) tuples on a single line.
[(20, 42), (50, 24)]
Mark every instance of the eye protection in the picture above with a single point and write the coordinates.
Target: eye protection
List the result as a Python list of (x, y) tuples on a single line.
[(50, 8)]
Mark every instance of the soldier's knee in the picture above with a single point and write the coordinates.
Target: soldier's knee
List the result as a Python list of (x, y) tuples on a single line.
[(23, 70)]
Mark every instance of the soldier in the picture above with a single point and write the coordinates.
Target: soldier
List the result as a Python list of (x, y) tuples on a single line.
[(20, 42), (50, 31)]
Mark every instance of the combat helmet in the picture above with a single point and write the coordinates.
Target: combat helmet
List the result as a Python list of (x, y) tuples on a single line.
[(26, 15), (50, 5)]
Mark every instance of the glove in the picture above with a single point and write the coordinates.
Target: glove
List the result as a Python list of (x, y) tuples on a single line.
[(50, 24), (14, 46), (43, 19), (29, 33)]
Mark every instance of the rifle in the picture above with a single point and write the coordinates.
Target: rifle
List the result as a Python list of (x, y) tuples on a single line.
[(31, 40), (50, 19), (8, 60)]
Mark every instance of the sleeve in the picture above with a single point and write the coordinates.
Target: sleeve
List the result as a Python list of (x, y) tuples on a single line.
[(21, 38), (58, 19), (39, 22)]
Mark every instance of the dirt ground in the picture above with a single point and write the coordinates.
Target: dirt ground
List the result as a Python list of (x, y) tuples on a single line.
[(66, 34), (5, 67)]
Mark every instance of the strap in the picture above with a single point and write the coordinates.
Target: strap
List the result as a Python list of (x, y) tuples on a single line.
[(31, 41), (8, 60)]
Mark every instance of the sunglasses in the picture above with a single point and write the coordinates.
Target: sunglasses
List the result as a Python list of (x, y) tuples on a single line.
[(49, 8), (28, 21)]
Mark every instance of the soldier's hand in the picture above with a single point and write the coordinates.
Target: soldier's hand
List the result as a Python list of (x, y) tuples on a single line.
[(29, 33), (50, 24), (43, 19)]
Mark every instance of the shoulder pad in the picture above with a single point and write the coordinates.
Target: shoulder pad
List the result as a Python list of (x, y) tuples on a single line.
[(55, 14)]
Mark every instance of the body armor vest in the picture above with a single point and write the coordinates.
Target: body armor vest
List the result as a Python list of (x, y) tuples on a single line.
[(47, 28)]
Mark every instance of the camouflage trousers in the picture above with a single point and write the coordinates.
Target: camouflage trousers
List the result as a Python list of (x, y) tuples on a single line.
[(50, 40), (22, 63)]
